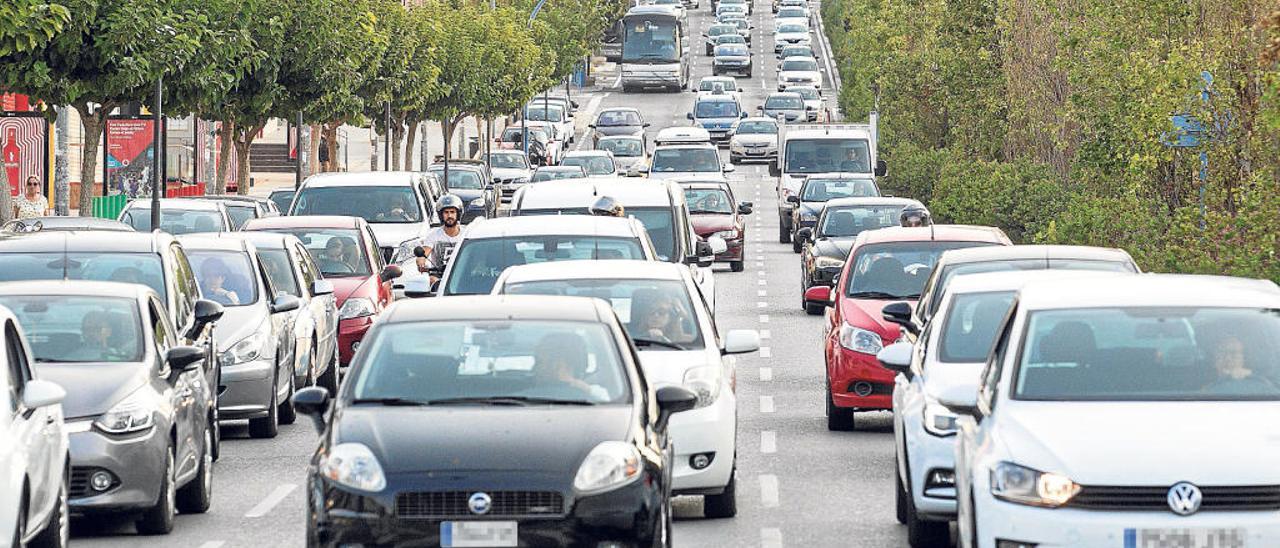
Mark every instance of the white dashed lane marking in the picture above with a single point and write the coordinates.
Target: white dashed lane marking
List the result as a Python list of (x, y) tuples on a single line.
[(766, 373), (766, 404), (263, 508), (769, 490)]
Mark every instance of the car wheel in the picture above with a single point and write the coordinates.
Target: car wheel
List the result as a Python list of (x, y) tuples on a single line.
[(195, 496), (839, 419), (795, 244), (158, 520), (287, 413), (20, 524), (899, 495), (662, 529), (748, 75), (724, 505), (784, 235), (57, 532), (737, 266), (328, 379), (922, 533), (268, 426)]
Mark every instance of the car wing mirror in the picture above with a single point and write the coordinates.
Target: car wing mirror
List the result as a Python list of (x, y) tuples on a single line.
[(322, 287), (313, 402), (818, 294), (793, 199), (206, 312), (741, 341), (900, 313), (744, 208), (961, 399), (390, 272), (285, 303), (881, 168), (181, 359), (672, 400), (805, 234), (37, 393), (896, 357)]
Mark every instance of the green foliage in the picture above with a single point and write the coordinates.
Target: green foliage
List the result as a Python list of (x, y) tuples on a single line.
[(27, 24), (1020, 197)]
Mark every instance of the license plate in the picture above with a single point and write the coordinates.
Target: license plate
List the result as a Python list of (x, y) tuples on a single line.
[(754, 152), (1184, 538), (462, 534)]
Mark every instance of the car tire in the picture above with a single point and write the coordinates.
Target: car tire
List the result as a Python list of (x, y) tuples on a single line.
[(158, 520), (56, 533), (269, 426), (20, 524), (287, 413), (839, 419), (735, 159), (724, 505), (784, 235), (737, 266), (329, 379), (795, 245), (925, 534), (900, 495), (748, 75), (662, 529), (195, 496)]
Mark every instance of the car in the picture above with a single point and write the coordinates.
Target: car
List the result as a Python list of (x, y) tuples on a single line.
[(490, 247), (753, 139), (555, 116), (715, 212), (139, 426), (510, 169), (35, 460), (884, 266), (1105, 362), (797, 50), (362, 280), (628, 151), (682, 135), (952, 355), (677, 5), (178, 216), (53, 223), (282, 198), (617, 121), (828, 241), (553, 146), (568, 105), (749, 5), (154, 259), (820, 188), (789, 107), (1019, 257), (574, 466), (791, 33), (799, 71), (812, 100), (677, 161), (732, 58), (471, 181), (593, 162), (397, 205), (716, 112), (727, 84), (724, 9), (512, 138), (798, 13), (660, 307), (743, 24), (243, 208), (555, 173), (262, 350), (733, 38), (715, 31)]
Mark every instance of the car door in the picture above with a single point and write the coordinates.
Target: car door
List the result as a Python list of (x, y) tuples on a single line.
[(384, 289), (184, 394), (36, 430), (322, 310), (281, 322), (186, 291)]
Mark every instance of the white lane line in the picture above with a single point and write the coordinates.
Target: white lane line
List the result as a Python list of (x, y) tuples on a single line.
[(760, 273), (766, 352), (764, 318), (263, 508), (770, 537), (762, 282), (762, 293), (766, 373), (213, 544), (759, 263), (768, 442), (762, 304), (769, 490), (764, 334), (766, 405)]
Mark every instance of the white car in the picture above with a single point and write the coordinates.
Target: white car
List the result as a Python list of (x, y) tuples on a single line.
[(675, 161), (1131, 412), (950, 353), (33, 449), (594, 162), (753, 139), (555, 115), (812, 100), (629, 151), (791, 33), (398, 205), (678, 344), (510, 169), (799, 71)]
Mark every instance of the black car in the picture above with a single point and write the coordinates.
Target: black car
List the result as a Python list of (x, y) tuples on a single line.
[(617, 121), (471, 181), (816, 191), (709, 37), (493, 421), (732, 59), (826, 244)]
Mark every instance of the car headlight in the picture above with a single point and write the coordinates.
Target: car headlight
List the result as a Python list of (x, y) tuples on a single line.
[(1019, 484), (827, 262), (727, 234), (705, 382), (609, 465), (248, 349), (135, 413), (938, 421), (356, 307), (808, 217), (860, 340), (353, 465)]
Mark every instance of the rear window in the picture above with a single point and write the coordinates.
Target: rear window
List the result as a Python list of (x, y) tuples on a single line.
[(175, 221), (375, 204), (136, 268), (478, 262)]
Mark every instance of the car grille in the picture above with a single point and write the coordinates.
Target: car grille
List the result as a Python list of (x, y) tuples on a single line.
[(1249, 497), (387, 253), (449, 504)]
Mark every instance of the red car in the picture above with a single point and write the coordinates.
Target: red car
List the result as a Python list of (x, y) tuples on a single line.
[(713, 211), (347, 254), (884, 266)]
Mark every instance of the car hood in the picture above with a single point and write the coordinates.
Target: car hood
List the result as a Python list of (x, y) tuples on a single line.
[(461, 438), (866, 314), (789, 113), (393, 234), (238, 322), (810, 74), (467, 194), (756, 138), (790, 35), (717, 123), (92, 389), (812, 207), (618, 130), (511, 173), (734, 58), (346, 287), (665, 367), (833, 247), (660, 175), (1180, 441), (706, 223)]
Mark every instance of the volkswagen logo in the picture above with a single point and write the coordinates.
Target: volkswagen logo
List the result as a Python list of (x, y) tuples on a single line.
[(480, 503), (1184, 498)]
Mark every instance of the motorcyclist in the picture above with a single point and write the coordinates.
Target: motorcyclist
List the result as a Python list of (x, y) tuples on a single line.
[(915, 215), (432, 251)]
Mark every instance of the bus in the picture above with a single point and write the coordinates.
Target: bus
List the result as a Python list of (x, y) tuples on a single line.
[(655, 50)]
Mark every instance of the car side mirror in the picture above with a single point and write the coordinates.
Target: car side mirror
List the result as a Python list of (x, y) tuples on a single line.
[(38, 393), (184, 358), (961, 399), (206, 312), (321, 287), (646, 124), (418, 288), (774, 170), (688, 115), (818, 294), (744, 208), (760, 108), (671, 400), (805, 234), (313, 402), (717, 244), (743, 115), (390, 272), (592, 126), (900, 313), (729, 168), (741, 341), (896, 357), (285, 303), (881, 168), (793, 199)]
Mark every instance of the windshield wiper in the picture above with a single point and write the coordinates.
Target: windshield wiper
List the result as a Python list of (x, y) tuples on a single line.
[(508, 400), (652, 342), (395, 402), (874, 295)]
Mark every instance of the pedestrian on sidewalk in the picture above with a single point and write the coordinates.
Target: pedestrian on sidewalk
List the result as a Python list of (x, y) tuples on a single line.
[(31, 203), (324, 155)]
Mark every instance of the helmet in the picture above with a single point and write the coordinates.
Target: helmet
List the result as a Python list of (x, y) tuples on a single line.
[(608, 207), (915, 215), (448, 201)]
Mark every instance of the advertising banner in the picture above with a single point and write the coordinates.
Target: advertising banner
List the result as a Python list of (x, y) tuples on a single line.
[(24, 148), (130, 147)]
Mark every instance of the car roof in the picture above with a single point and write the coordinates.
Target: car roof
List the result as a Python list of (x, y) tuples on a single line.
[(303, 221), (937, 233), (839, 175), (76, 287), (557, 169), (54, 222), (621, 138), (1143, 290), (361, 178), (77, 241), (702, 184), (871, 201), (758, 119), (213, 242), (684, 133), (265, 239), (283, 190), (543, 225), (1012, 280), (573, 153), (1002, 253), (193, 204), (653, 9), (784, 94), (594, 269), (581, 193), (497, 307), (232, 198)]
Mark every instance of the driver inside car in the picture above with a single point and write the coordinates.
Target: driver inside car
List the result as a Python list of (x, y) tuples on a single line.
[(560, 366), (657, 316), (334, 258)]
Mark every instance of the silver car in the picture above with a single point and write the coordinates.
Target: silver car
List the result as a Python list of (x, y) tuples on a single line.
[(753, 139), (786, 105)]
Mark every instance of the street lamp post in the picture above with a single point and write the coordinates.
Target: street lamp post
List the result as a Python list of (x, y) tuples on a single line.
[(524, 113), (157, 166)]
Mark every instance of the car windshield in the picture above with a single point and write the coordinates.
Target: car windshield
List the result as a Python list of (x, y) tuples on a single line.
[(847, 222), (722, 28), (793, 28), (792, 12), (515, 161), (651, 310), (758, 126), (710, 84), (137, 268), (734, 38), (175, 221), (828, 155), (821, 190), (797, 51), (338, 252), (654, 40), (707, 200), (701, 160), (279, 271), (283, 199), (495, 362), (799, 64), (544, 114), (464, 179), (896, 270), (808, 94), (593, 165), (375, 204), (241, 214), (478, 262), (716, 109), (516, 135), (610, 118), (622, 147), (1150, 354), (225, 277), (540, 174), (62, 328), (949, 272), (789, 101), (657, 223), (971, 325), (731, 50)]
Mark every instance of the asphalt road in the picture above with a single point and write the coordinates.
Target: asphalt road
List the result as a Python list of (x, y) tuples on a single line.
[(799, 485)]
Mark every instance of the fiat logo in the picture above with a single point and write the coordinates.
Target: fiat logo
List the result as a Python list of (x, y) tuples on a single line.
[(480, 503), (1184, 498)]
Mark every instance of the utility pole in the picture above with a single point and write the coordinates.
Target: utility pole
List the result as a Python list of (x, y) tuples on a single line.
[(297, 171), (386, 161), (157, 171)]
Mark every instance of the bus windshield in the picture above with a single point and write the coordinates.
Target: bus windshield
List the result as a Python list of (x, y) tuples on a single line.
[(651, 40)]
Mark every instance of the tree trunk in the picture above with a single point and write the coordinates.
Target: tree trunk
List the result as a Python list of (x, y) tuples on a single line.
[(424, 151), (93, 124), (6, 199), (330, 132), (411, 132), (373, 147), (227, 132), (313, 152), (306, 146), (62, 164), (244, 143), (395, 134)]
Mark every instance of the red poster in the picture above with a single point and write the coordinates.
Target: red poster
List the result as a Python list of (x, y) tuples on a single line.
[(14, 102), (130, 150), (24, 149)]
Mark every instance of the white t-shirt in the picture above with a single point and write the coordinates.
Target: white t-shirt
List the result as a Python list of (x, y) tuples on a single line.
[(441, 244)]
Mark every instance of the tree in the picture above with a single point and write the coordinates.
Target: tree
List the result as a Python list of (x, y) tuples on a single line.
[(26, 25)]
